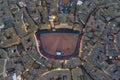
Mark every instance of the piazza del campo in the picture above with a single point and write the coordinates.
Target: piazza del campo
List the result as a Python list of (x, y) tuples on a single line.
[(59, 39)]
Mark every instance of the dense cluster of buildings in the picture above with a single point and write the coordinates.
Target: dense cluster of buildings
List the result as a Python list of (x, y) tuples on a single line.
[(98, 20)]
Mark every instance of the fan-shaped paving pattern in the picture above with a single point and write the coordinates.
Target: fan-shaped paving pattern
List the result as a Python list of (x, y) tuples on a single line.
[(97, 20)]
